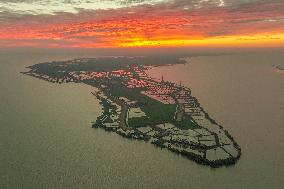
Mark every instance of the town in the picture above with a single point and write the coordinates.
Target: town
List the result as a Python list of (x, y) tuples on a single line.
[(140, 107)]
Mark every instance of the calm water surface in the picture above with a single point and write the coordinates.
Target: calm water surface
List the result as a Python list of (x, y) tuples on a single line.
[(46, 140)]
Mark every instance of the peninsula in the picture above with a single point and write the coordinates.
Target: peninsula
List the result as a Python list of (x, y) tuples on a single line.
[(140, 107)]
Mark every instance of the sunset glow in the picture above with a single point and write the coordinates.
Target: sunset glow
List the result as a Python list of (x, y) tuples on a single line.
[(145, 24)]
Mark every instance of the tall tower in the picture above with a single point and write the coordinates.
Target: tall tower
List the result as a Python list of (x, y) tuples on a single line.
[(162, 79)]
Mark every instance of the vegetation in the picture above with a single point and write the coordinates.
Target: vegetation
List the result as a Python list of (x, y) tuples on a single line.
[(112, 85), (156, 112), (60, 69)]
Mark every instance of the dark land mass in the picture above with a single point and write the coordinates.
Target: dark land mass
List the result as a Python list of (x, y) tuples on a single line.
[(139, 107)]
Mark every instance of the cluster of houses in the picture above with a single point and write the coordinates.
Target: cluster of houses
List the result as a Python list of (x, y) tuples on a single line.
[(160, 92), (121, 74), (135, 83), (84, 75), (127, 77)]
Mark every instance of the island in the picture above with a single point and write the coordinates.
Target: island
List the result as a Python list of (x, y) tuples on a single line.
[(137, 106)]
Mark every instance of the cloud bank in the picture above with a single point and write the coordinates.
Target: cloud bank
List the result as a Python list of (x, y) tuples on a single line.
[(127, 23)]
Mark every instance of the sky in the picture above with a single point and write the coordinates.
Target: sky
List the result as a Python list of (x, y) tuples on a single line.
[(141, 23)]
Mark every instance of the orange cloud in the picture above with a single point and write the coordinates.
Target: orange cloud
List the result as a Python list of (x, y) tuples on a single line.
[(260, 24)]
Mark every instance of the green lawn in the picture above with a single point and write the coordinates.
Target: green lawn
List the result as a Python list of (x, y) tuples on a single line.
[(156, 112)]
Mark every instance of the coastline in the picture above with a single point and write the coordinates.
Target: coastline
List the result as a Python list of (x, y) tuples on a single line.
[(136, 135), (190, 132)]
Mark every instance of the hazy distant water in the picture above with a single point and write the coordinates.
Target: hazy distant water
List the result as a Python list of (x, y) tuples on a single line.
[(46, 140)]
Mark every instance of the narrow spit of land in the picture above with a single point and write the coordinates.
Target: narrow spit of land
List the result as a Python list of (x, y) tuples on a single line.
[(140, 107)]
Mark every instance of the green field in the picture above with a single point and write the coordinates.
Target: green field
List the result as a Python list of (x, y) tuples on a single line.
[(156, 112)]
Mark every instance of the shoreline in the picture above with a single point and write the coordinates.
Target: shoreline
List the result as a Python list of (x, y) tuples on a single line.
[(140, 107), (135, 134), (192, 156)]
